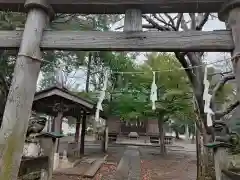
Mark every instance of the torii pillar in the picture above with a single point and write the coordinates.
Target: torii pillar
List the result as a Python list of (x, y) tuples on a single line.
[(22, 90), (230, 14)]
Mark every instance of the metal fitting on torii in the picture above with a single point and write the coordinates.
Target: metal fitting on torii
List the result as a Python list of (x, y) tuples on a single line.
[(226, 8), (42, 4)]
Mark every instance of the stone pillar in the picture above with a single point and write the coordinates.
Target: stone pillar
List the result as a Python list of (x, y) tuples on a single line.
[(22, 90), (230, 14)]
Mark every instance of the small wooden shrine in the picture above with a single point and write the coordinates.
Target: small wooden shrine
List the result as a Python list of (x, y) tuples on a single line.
[(146, 128), (60, 102)]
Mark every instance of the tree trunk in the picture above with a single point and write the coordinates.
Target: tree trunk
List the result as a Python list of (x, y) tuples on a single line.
[(204, 156), (208, 156), (199, 155), (88, 71), (162, 135), (177, 134), (205, 164)]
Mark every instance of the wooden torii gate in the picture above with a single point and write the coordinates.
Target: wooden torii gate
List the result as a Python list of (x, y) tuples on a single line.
[(34, 39)]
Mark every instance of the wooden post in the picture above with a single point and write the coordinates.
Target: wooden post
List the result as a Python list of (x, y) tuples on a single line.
[(58, 127), (84, 123), (104, 140), (57, 122), (133, 20), (77, 132), (21, 94)]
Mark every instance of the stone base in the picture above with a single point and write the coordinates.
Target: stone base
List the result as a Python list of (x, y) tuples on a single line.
[(56, 161)]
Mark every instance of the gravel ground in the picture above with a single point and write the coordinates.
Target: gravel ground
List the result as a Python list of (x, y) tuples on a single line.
[(176, 165), (107, 172)]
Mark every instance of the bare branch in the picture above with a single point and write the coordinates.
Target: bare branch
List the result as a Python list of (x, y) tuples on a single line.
[(185, 65), (193, 21), (164, 22), (220, 85), (221, 73), (170, 18), (148, 26), (184, 24), (220, 114), (180, 16), (156, 25), (216, 89), (203, 21), (160, 16)]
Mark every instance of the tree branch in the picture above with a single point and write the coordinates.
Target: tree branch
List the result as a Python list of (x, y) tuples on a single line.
[(184, 24), (185, 65), (147, 26), (180, 16), (162, 21), (193, 21), (202, 21), (220, 114), (156, 25), (220, 85)]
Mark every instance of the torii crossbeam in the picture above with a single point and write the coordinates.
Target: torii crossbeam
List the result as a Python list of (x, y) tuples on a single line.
[(120, 6)]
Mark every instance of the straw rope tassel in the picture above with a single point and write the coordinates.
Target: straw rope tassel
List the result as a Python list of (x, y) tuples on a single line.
[(207, 99), (153, 95), (102, 96)]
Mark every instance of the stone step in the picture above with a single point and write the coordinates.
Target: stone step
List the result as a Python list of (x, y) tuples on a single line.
[(129, 166)]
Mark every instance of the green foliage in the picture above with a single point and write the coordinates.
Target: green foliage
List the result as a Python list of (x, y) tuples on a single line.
[(131, 99)]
